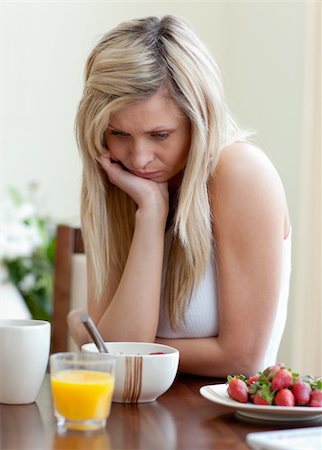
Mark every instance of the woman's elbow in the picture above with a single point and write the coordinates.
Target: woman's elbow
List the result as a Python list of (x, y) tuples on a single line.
[(246, 361)]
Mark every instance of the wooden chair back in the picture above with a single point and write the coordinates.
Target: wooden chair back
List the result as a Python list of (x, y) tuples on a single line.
[(69, 243)]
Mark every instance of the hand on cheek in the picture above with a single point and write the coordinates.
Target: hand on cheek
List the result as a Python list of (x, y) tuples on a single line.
[(142, 191), (120, 176), (110, 165), (105, 160)]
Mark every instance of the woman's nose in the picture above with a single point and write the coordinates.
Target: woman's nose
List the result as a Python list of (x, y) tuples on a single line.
[(141, 156)]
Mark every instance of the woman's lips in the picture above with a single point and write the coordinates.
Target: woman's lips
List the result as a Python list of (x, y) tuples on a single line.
[(146, 174), (149, 175)]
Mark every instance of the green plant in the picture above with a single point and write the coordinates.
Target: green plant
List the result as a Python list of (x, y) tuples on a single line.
[(27, 249)]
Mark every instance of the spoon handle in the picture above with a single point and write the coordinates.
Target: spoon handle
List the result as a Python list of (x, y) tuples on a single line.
[(94, 333)]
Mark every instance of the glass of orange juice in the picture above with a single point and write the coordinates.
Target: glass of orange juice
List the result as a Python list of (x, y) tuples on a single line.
[(82, 386)]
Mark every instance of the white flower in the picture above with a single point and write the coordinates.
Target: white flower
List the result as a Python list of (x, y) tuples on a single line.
[(27, 283), (18, 240), (25, 211), (27, 263), (18, 237), (13, 212), (3, 274)]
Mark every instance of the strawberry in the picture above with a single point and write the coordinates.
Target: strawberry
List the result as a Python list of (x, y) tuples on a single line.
[(316, 398), (259, 400), (301, 392), (277, 385), (282, 379), (237, 389), (271, 370), (284, 397), (263, 395), (252, 380), (252, 384)]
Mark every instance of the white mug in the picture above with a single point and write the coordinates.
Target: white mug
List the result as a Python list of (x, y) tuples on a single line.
[(24, 353)]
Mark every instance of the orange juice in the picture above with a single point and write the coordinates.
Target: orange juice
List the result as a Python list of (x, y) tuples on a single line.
[(81, 395)]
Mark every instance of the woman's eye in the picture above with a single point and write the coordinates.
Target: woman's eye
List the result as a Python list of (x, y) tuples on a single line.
[(160, 136)]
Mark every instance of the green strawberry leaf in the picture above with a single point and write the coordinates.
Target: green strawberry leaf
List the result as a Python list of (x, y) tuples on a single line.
[(317, 384)]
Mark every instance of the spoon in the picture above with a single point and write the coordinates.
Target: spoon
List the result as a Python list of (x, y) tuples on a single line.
[(94, 333)]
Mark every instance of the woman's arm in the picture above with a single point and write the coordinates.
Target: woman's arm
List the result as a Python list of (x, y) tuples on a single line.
[(250, 224), (130, 310)]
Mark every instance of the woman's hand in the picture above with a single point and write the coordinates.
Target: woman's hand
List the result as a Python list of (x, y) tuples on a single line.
[(76, 329), (145, 192)]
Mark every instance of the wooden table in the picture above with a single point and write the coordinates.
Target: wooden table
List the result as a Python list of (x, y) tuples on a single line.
[(180, 419)]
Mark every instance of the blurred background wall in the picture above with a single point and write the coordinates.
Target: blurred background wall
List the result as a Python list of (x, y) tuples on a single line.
[(269, 55)]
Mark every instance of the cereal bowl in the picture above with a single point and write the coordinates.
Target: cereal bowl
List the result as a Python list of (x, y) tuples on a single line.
[(144, 371)]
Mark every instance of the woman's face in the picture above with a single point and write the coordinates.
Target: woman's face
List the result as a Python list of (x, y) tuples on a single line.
[(150, 138)]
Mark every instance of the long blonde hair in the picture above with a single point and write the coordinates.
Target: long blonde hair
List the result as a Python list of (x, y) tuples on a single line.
[(130, 63)]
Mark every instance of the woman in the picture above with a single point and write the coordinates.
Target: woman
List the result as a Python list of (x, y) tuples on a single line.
[(185, 223)]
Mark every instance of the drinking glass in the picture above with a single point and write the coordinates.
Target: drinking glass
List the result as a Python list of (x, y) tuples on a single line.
[(82, 386)]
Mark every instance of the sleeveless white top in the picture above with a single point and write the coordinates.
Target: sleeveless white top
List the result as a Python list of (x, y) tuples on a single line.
[(201, 319)]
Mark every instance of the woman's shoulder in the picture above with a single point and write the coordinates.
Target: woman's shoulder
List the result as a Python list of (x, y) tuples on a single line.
[(245, 184), (244, 165), (242, 158)]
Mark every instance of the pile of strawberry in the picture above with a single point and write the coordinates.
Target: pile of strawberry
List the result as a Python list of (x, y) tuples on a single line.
[(276, 385)]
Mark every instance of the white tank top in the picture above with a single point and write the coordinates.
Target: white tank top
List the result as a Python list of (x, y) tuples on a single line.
[(201, 319)]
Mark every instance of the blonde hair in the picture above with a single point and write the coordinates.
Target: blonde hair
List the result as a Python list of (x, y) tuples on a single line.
[(131, 62)]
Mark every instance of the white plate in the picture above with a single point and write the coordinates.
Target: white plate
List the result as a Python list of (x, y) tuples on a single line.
[(248, 411)]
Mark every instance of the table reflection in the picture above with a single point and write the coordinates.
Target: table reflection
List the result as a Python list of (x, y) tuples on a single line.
[(72, 440), (21, 427), (151, 426)]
